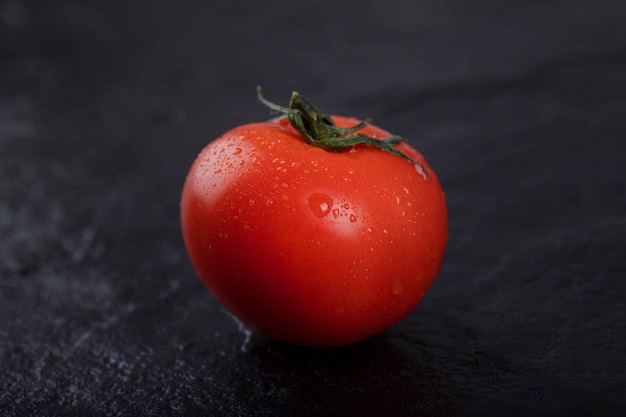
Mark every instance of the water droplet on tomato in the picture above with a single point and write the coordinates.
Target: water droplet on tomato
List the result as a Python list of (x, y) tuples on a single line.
[(320, 204), (352, 218), (420, 171), (237, 151)]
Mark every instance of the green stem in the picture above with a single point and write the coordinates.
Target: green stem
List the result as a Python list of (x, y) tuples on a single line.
[(318, 128)]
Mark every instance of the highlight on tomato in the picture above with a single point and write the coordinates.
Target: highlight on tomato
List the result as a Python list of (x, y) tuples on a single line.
[(314, 230)]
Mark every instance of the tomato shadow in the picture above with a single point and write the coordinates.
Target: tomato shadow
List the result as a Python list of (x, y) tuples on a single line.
[(382, 376)]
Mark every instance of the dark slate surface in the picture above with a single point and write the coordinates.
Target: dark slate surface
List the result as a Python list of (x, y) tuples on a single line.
[(519, 107)]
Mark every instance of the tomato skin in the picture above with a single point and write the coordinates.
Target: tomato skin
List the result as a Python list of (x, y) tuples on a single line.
[(308, 246)]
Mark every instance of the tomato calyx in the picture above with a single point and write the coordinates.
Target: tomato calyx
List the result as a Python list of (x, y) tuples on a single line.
[(318, 128)]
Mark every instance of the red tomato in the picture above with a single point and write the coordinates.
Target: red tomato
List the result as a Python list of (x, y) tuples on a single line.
[(309, 246)]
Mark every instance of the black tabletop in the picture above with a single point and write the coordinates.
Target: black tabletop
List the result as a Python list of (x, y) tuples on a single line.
[(518, 106)]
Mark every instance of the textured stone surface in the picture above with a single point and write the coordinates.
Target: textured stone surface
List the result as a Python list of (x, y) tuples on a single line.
[(518, 106)]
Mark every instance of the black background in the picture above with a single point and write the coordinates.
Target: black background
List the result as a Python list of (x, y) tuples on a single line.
[(518, 106)]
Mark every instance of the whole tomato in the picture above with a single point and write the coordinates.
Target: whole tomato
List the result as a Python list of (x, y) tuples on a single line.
[(314, 230)]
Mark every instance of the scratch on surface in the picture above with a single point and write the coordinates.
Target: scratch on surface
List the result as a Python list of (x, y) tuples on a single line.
[(83, 245), (102, 326), (81, 339), (247, 333)]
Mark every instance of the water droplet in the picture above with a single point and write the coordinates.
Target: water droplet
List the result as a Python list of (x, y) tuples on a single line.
[(420, 171), (352, 218), (397, 200), (346, 206), (320, 204), (336, 213), (237, 151)]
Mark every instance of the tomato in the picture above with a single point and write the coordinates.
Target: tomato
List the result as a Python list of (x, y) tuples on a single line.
[(308, 243)]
